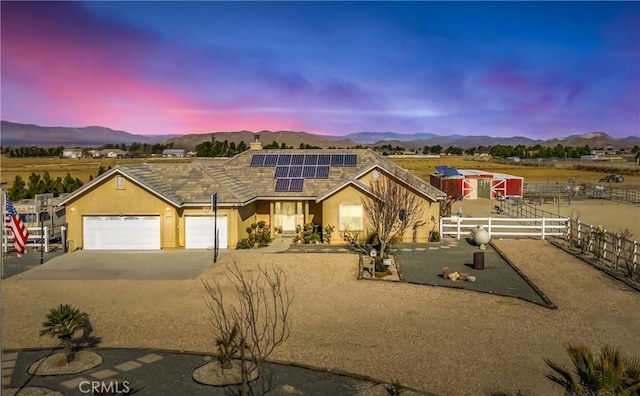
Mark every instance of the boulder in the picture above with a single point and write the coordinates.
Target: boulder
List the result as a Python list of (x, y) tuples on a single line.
[(471, 278), (463, 276), (445, 272), (454, 276)]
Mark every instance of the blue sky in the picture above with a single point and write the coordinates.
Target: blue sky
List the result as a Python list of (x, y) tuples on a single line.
[(537, 69)]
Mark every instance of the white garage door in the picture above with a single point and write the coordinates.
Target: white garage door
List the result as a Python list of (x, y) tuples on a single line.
[(199, 232), (121, 233)]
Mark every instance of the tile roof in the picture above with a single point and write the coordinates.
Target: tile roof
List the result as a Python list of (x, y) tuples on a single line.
[(237, 183)]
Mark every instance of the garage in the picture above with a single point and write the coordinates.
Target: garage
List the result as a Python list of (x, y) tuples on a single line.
[(199, 232), (121, 232)]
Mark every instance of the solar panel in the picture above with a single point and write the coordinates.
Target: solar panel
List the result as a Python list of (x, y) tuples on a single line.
[(282, 184), (282, 171), (296, 185), (309, 172), (298, 159), (350, 160), (257, 160), (284, 159), (311, 159), (447, 171), (322, 172), (324, 159), (295, 171), (271, 160), (337, 159)]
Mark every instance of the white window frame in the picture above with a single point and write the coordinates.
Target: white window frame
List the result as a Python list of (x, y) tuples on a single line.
[(346, 216)]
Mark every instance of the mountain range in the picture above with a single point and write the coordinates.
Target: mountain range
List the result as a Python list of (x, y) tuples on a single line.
[(15, 135)]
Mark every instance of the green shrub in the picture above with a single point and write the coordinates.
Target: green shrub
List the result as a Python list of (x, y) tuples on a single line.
[(434, 236), (259, 234), (328, 230)]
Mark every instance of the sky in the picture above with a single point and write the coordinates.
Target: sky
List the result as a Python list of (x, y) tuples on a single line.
[(536, 69)]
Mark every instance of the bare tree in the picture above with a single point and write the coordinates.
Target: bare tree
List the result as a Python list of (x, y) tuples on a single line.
[(254, 322), (391, 210)]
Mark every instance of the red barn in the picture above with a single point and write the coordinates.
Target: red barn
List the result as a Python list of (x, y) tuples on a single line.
[(473, 184)]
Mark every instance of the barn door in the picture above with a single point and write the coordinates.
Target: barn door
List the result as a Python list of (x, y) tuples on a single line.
[(498, 186), (469, 188)]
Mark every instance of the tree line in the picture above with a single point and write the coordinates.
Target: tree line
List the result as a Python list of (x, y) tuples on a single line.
[(134, 150), (43, 184)]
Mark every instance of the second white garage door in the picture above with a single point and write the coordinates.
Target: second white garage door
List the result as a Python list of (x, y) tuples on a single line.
[(199, 232)]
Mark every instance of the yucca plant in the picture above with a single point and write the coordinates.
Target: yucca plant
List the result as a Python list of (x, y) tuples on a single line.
[(612, 374), (62, 323)]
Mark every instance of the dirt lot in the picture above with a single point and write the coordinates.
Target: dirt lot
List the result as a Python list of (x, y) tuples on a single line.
[(452, 342)]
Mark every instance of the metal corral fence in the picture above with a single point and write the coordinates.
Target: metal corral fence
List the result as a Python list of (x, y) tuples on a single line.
[(567, 192), (614, 251)]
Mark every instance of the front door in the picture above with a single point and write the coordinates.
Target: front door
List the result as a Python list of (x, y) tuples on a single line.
[(288, 215)]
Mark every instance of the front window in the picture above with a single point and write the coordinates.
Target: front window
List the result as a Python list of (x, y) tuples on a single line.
[(351, 217)]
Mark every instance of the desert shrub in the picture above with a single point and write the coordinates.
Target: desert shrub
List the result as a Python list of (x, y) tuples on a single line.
[(62, 323), (434, 236), (328, 230)]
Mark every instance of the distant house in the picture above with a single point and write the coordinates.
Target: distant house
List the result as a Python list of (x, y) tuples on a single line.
[(72, 153), (113, 153), (179, 153)]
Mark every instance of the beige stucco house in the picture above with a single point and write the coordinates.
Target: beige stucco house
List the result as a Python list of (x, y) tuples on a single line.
[(168, 206)]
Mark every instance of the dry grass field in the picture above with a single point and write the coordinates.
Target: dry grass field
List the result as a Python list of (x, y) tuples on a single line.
[(422, 167), (561, 172), (80, 168)]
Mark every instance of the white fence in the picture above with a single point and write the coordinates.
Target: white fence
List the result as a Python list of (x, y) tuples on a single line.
[(516, 227), (34, 240)]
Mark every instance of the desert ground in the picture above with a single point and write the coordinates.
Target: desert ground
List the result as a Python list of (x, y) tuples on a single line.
[(441, 340)]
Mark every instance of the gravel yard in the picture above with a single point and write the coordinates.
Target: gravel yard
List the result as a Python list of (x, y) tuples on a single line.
[(453, 342)]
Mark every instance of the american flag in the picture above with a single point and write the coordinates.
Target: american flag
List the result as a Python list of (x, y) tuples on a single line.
[(13, 222)]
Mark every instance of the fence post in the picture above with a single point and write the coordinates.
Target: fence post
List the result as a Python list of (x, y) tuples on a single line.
[(45, 238), (635, 254), (441, 229), (579, 230), (543, 228), (489, 226), (604, 245), (459, 220)]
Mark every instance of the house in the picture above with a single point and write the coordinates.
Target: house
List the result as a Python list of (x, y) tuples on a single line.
[(474, 184), (179, 153), (113, 153), (158, 205), (72, 153)]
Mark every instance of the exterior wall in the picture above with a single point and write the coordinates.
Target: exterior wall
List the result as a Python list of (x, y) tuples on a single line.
[(430, 219), (246, 216), (452, 187), (514, 187), (315, 213), (107, 199), (331, 212)]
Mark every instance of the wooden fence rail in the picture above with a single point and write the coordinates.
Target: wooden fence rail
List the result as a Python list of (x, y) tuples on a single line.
[(35, 239)]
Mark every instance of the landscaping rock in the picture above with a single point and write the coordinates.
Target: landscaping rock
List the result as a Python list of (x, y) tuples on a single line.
[(445, 272), (471, 278), (463, 276), (454, 276)]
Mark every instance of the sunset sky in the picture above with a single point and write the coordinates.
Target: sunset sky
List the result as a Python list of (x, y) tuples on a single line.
[(537, 69)]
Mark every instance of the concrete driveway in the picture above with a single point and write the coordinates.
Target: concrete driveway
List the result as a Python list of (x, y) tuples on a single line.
[(152, 265)]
